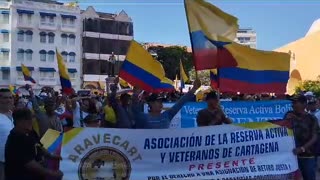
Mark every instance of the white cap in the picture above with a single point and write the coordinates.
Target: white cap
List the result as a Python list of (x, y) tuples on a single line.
[(309, 93)]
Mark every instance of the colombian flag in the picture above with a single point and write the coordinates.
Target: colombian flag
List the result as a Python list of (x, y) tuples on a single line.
[(52, 141), (183, 76), (140, 69), (64, 76), (214, 78), (240, 67), (26, 74), (13, 90)]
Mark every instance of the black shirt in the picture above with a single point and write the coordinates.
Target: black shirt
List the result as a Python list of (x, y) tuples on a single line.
[(22, 148)]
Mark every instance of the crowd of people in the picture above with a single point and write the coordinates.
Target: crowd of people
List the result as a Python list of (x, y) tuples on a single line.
[(23, 121)]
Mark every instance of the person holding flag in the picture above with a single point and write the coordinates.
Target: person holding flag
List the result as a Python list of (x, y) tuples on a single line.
[(156, 119)]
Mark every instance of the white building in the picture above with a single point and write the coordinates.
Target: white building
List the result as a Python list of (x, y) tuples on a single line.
[(31, 31), (247, 37)]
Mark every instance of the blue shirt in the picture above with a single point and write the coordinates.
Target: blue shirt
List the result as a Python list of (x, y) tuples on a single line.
[(147, 121)]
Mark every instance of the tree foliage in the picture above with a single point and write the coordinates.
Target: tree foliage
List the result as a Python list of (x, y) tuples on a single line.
[(204, 76), (309, 85), (170, 57)]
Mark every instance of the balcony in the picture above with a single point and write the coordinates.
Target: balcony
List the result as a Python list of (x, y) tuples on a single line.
[(68, 28), (24, 24), (48, 26), (20, 80), (47, 81), (73, 81)]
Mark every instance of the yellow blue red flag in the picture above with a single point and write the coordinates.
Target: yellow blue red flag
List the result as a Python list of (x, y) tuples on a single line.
[(64, 76), (13, 89), (27, 74), (212, 33), (183, 76), (140, 69)]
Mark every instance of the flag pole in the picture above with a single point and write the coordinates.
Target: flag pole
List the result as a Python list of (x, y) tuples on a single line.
[(193, 56)]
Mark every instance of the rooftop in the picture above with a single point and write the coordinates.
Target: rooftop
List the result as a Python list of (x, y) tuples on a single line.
[(45, 1)]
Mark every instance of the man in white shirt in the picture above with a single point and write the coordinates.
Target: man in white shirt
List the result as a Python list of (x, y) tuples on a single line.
[(6, 124)]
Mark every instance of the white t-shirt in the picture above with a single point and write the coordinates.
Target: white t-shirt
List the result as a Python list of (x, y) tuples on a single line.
[(6, 126), (77, 117)]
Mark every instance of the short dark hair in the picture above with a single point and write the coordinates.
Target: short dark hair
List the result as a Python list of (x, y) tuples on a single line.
[(212, 95), (124, 96), (49, 102), (21, 115)]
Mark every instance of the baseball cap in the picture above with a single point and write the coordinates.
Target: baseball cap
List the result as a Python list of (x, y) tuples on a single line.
[(299, 98), (155, 97), (309, 93)]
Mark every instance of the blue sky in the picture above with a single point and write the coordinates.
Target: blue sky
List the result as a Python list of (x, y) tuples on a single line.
[(164, 21)]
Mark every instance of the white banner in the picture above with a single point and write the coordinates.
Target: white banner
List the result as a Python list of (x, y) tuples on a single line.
[(243, 151)]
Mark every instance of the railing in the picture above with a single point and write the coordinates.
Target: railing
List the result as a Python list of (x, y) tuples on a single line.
[(47, 24), (67, 26), (48, 80), (4, 4), (20, 78)]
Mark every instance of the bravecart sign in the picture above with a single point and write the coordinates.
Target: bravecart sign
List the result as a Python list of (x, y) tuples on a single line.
[(247, 151)]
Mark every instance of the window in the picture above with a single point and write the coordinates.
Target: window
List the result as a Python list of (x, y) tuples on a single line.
[(51, 37), (19, 73), (20, 18), (72, 75), (5, 75), (29, 19), (51, 20), (29, 54), (46, 74), (29, 36), (42, 74), (72, 39), (64, 21), (51, 56), (20, 55), (20, 36), (43, 19), (72, 21), (5, 55), (5, 37), (6, 18), (43, 54), (43, 37), (64, 56), (72, 57), (50, 74), (64, 39)]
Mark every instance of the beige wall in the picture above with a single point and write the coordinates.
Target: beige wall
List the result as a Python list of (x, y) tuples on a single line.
[(305, 59)]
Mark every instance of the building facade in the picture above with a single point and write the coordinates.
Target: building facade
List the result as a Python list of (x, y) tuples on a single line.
[(105, 40), (247, 36), (31, 33), (304, 57)]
